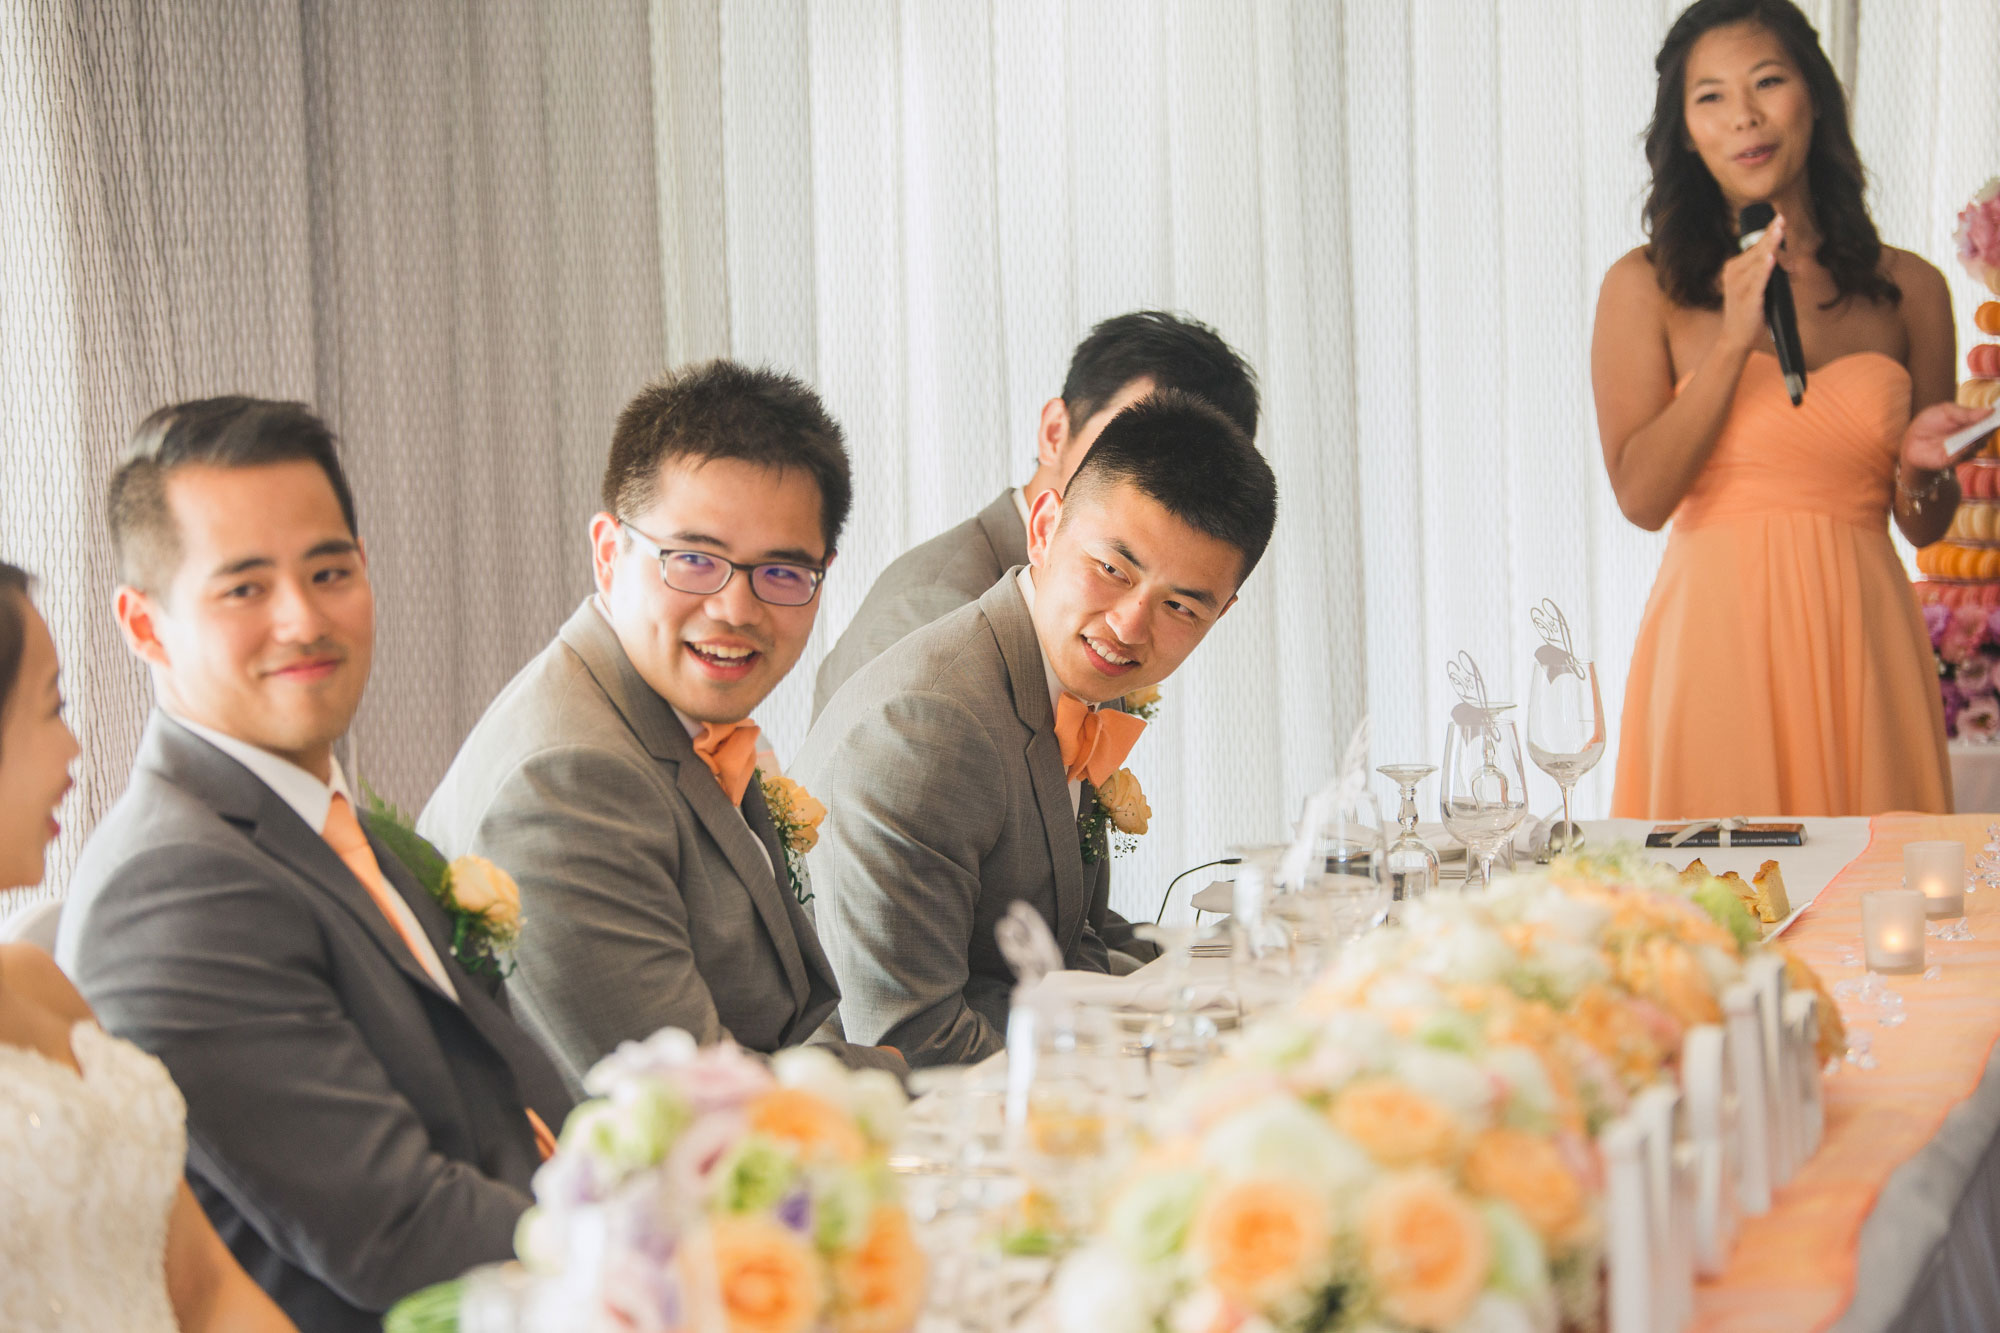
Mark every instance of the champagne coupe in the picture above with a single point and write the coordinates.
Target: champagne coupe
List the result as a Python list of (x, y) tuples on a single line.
[(1410, 864), (1565, 734), (1484, 792)]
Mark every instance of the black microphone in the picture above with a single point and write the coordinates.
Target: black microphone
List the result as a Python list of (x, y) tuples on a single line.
[(1781, 317)]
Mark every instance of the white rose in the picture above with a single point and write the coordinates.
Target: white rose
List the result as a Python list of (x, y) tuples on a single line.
[(1281, 1138), (484, 889), (1451, 1080), (1099, 1290)]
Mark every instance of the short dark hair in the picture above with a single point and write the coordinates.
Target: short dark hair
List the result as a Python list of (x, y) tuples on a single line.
[(229, 432), (720, 409), (13, 629), (1175, 353), (1181, 452), (1690, 230)]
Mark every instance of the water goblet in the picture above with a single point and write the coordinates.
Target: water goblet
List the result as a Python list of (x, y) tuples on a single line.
[(1411, 864), (1565, 734), (1484, 792)]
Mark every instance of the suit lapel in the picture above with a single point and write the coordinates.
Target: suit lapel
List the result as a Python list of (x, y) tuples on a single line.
[(666, 740), (1005, 533), (800, 941), (241, 797), (1021, 650)]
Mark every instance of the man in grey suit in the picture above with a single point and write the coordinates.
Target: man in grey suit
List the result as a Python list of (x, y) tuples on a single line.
[(363, 1117), (613, 776), (959, 769), (1121, 361)]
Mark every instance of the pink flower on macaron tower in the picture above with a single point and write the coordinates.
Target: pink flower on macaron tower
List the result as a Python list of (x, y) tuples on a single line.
[(1978, 236), (1980, 719)]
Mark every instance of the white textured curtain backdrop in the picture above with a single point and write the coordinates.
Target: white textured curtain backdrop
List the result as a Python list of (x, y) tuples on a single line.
[(468, 232)]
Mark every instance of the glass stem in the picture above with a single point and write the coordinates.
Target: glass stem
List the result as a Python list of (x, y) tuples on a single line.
[(1566, 824)]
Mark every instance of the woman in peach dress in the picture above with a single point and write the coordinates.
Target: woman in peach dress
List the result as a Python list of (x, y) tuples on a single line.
[(1782, 666)]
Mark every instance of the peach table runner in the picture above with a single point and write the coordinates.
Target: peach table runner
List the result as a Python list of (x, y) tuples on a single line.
[(1793, 1268)]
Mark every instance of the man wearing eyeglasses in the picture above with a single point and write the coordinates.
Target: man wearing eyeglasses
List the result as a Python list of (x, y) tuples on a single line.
[(615, 777)]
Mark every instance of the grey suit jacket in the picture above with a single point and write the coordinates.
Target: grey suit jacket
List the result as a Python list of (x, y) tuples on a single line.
[(645, 899), (946, 801), (924, 583), (353, 1132)]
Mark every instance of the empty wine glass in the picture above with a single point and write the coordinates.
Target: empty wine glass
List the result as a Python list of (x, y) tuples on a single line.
[(1565, 733), (1411, 864), (1484, 793), (1334, 875)]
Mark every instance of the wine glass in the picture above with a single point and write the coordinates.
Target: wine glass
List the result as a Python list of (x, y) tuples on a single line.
[(1334, 874), (1411, 864), (1484, 793), (1565, 734)]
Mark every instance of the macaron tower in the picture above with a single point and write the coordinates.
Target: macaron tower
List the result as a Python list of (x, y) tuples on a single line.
[(1964, 568)]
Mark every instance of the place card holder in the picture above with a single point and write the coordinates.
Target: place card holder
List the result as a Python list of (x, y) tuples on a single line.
[(1802, 1033), (1709, 1094), (1745, 1033), (1628, 1249), (1766, 975), (1659, 1115)]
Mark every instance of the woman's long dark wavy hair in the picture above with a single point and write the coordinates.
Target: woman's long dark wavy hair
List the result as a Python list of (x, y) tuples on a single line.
[(13, 629), (1688, 224)]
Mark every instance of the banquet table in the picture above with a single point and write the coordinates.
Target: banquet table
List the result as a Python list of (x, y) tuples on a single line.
[(1975, 775), (1895, 1222)]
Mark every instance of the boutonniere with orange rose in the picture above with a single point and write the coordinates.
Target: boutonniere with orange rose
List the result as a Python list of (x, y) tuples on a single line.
[(482, 900), (704, 1188), (1117, 816), (797, 817), (1144, 702)]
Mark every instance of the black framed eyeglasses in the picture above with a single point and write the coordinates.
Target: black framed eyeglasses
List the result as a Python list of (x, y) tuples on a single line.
[(703, 573)]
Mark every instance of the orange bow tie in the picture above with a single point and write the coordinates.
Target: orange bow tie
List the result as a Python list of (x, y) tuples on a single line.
[(1094, 742), (730, 751)]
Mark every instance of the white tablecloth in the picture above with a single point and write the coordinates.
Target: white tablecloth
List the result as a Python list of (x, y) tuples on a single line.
[(1975, 776)]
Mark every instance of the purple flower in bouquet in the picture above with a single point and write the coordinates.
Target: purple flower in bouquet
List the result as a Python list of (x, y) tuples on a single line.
[(1954, 704), (1993, 625), (1978, 236), (1974, 676), (1936, 620), (795, 1211), (1981, 719)]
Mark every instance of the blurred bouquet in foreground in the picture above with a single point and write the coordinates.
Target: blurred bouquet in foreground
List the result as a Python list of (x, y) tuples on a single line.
[(706, 1190)]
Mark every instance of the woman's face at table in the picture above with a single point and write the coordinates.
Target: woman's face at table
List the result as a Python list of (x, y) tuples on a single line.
[(1748, 113), (36, 749)]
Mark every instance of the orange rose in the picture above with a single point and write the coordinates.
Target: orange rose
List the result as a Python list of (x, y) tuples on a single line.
[(1608, 1023), (1396, 1126), (768, 1280), (1668, 972), (1261, 1238), (1426, 1248), (880, 1286), (816, 1126), (1527, 1172)]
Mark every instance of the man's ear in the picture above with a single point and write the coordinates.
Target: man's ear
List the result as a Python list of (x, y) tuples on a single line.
[(135, 614), (1044, 517), (1053, 434), (605, 538)]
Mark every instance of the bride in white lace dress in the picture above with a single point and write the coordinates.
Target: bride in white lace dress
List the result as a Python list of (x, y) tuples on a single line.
[(97, 1230)]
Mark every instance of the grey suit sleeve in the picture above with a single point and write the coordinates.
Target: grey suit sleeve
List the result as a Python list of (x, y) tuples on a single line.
[(905, 888), (290, 1114), (877, 627), (605, 954)]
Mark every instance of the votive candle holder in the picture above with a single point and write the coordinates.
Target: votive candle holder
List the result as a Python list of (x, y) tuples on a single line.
[(1937, 870), (1892, 930)]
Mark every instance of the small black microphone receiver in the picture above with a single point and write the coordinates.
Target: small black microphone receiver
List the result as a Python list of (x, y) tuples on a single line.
[(1781, 317)]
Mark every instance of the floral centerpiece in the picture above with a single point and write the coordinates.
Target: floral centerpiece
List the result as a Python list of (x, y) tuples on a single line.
[(1383, 1167), (1966, 640), (706, 1189)]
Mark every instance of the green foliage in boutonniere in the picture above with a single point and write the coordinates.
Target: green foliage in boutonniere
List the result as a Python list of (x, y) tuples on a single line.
[(1119, 807), (1143, 703), (481, 899), (796, 815)]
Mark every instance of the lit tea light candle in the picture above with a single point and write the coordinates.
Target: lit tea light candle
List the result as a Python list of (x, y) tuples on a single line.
[(1937, 870), (1892, 930)]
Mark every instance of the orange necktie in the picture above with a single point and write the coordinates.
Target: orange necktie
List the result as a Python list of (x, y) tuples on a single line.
[(343, 834), (730, 751), (1094, 742)]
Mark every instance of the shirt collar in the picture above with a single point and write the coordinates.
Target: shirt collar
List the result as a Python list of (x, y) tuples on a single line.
[(308, 797)]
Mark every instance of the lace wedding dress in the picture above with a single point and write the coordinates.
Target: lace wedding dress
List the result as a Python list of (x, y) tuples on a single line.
[(88, 1170)]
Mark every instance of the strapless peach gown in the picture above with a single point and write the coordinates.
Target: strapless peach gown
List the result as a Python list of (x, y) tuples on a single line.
[(1782, 666)]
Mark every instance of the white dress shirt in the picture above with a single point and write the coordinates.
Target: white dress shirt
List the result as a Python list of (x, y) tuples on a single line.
[(1026, 579), (311, 799)]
